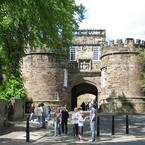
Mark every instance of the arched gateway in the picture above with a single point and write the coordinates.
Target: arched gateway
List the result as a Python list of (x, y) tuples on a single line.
[(81, 89)]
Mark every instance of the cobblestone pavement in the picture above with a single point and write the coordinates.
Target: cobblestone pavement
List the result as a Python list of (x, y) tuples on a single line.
[(16, 135)]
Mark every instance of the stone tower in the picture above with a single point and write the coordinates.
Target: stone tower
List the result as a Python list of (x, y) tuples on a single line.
[(120, 77), (84, 65), (43, 75)]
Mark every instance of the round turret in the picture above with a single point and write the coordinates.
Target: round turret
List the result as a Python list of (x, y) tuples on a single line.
[(43, 75), (121, 76)]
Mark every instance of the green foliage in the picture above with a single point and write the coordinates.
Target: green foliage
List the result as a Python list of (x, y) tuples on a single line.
[(40, 23), (12, 88), (141, 57), (47, 24)]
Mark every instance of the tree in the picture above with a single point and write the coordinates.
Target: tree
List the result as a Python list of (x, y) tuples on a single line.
[(47, 24)]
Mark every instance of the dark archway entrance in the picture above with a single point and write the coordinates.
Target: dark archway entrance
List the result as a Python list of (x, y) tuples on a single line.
[(81, 89)]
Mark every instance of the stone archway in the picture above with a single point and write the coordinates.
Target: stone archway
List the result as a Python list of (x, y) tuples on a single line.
[(81, 89)]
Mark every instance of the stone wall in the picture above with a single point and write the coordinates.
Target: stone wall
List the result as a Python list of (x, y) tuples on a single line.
[(3, 113), (10, 111), (124, 105), (16, 110)]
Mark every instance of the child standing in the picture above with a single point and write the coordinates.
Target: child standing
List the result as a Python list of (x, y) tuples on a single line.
[(81, 121)]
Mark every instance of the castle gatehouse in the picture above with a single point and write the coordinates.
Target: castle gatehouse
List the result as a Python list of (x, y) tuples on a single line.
[(108, 71)]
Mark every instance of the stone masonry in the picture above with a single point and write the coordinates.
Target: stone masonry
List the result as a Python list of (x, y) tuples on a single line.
[(111, 72), (121, 67), (43, 77)]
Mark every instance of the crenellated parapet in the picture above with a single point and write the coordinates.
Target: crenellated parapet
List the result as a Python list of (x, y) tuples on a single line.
[(128, 42), (36, 50), (129, 45)]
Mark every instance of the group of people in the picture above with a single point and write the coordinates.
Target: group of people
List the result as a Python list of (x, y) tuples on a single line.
[(61, 116), (78, 119), (42, 113), (85, 105), (60, 119)]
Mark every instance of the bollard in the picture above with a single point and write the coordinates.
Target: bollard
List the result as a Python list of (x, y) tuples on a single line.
[(113, 125), (98, 125), (127, 125), (27, 129)]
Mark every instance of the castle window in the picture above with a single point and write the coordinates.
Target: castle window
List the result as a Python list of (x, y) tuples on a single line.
[(103, 78), (56, 96), (72, 54), (65, 77), (96, 53)]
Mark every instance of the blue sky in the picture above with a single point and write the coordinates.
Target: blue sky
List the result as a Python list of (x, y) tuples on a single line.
[(121, 18)]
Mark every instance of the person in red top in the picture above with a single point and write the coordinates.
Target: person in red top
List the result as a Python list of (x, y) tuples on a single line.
[(57, 122)]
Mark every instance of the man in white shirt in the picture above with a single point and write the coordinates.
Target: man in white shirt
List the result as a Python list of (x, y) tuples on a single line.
[(75, 116)]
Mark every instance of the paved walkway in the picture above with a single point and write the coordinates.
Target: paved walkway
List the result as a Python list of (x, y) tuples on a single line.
[(16, 135)]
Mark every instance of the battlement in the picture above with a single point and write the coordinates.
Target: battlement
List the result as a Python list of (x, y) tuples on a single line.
[(129, 45), (128, 42)]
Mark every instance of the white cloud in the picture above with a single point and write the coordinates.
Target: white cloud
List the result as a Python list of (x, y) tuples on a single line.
[(120, 18)]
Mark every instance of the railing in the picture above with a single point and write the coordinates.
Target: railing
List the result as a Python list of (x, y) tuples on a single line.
[(120, 124), (126, 124)]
